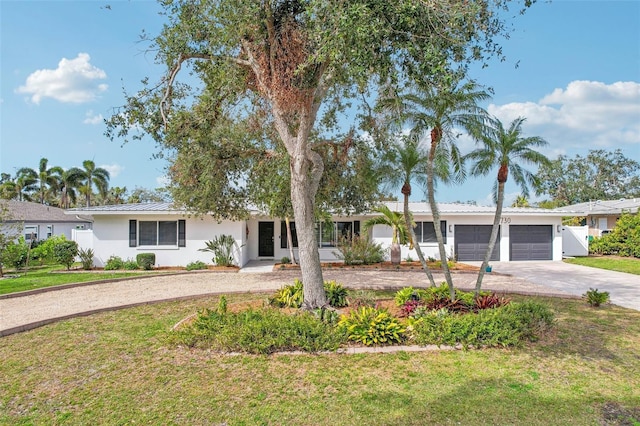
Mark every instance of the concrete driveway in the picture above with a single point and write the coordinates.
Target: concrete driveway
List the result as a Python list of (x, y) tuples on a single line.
[(623, 288)]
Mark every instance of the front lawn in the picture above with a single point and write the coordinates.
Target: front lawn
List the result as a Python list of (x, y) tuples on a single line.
[(630, 265), (120, 367), (49, 276)]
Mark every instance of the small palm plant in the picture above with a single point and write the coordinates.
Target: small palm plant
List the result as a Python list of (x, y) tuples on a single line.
[(596, 298), (399, 231), (222, 248)]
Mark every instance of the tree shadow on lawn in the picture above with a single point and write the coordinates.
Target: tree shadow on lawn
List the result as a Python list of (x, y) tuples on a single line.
[(527, 400)]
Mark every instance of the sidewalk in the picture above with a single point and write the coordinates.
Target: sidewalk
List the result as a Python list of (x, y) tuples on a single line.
[(27, 311)]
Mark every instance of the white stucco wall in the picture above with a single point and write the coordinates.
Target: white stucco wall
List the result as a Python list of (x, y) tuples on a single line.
[(382, 233), (111, 238)]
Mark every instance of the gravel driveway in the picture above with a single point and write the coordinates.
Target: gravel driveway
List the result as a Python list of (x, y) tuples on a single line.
[(27, 311)]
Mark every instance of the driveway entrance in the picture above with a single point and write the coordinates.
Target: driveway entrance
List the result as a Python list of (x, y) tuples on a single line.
[(623, 288)]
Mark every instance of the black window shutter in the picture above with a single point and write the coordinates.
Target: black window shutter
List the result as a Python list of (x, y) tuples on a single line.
[(182, 233), (133, 235), (356, 227), (283, 234), (443, 229)]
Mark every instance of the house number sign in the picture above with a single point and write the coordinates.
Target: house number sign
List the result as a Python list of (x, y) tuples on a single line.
[(505, 220)]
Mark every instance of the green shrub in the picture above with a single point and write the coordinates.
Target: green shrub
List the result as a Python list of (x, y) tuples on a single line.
[(130, 265), (371, 326), (16, 254), (624, 240), (508, 325), (285, 260), (114, 263), (86, 258), (359, 250), (409, 293), (65, 252), (289, 296), (596, 298), (43, 250), (198, 264), (336, 294), (261, 331), (146, 260), (327, 315)]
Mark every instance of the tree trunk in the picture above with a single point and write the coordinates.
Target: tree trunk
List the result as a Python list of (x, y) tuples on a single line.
[(290, 240), (436, 223), (416, 244), (493, 238), (304, 184), (395, 254)]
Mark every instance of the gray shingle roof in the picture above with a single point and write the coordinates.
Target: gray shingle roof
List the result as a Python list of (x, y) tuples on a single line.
[(24, 211), (606, 207)]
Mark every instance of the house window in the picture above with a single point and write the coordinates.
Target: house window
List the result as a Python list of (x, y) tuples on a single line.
[(327, 233), (283, 234), (31, 233), (49, 231), (425, 232), (157, 233)]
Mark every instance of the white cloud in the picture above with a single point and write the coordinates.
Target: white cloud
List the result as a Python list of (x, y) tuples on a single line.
[(74, 81), (584, 114), (113, 169), (91, 118)]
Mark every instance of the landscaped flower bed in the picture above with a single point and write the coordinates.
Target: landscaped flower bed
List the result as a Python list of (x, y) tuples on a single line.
[(414, 317)]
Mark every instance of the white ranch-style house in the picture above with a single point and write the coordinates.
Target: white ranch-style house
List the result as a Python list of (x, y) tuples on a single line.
[(176, 237)]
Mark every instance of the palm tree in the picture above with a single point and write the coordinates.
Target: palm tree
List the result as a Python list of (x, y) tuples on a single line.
[(521, 201), (49, 180), (70, 180), (407, 158), (93, 175), (25, 183), (504, 149), (398, 228), (438, 111)]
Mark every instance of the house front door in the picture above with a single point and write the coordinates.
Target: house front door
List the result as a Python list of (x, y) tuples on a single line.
[(265, 239)]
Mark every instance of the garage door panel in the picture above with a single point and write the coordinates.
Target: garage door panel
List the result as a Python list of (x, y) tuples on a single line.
[(471, 242), (531, 242)]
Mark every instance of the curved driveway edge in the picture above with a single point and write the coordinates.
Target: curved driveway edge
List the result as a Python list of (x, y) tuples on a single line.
[(34, 310), (623, 288)]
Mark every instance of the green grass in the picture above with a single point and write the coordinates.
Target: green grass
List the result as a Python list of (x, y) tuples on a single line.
[(119, 367), (50, 276), (630, 265)]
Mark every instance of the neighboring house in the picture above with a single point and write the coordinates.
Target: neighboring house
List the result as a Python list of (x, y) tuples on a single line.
[(176, 236), (602, 215), (42, 221)]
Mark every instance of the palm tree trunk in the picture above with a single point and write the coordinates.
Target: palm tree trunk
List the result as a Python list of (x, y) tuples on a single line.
[(493, 238), (436, 220), (416, 244)]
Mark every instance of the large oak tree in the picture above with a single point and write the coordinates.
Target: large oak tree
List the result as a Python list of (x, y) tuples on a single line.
[(294, 67)]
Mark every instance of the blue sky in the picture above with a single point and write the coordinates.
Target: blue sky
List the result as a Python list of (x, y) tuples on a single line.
[(64, 63)]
